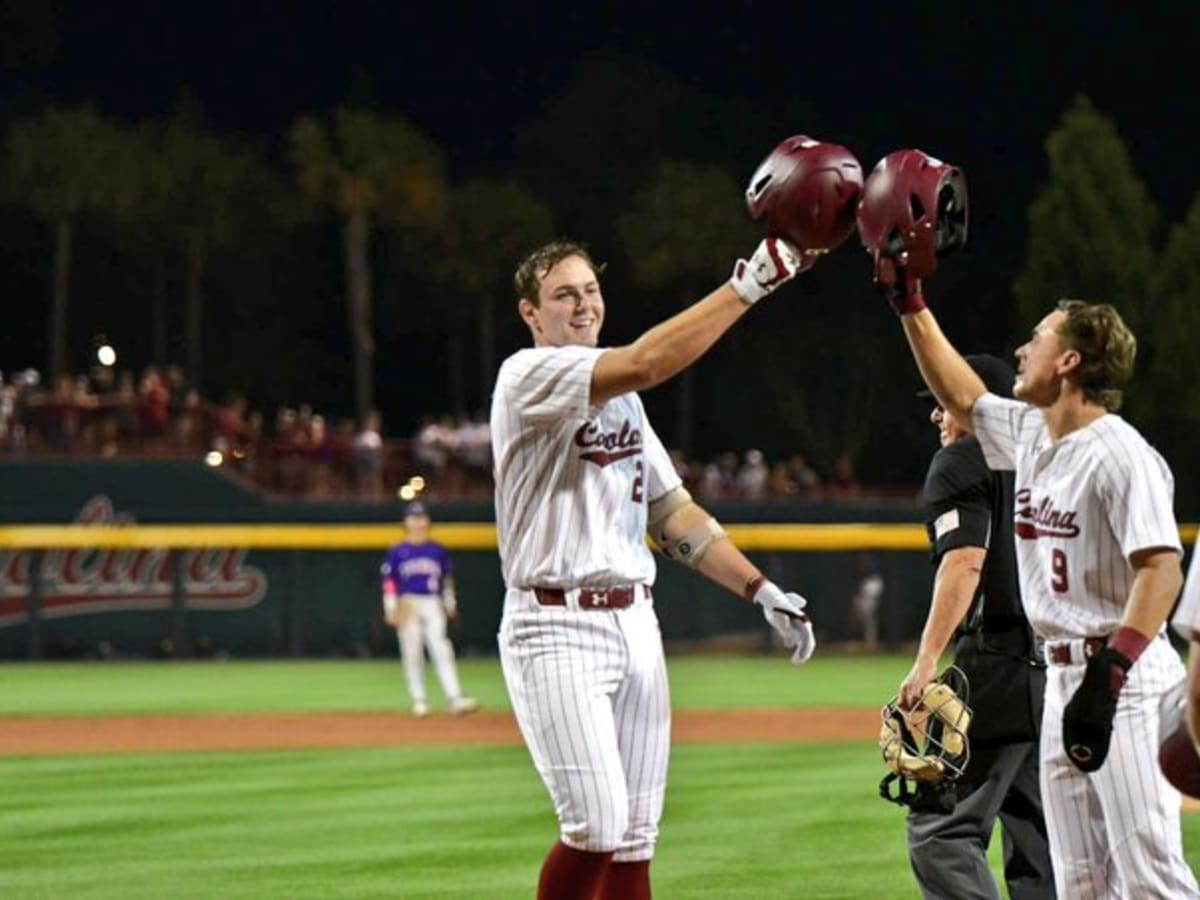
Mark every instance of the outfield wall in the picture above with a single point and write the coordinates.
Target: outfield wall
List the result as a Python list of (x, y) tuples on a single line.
[(175, 559)]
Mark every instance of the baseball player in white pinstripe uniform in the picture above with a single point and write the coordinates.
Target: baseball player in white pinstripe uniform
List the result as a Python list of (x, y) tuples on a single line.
[(1099, 560), (1185, 767), (581, 478)]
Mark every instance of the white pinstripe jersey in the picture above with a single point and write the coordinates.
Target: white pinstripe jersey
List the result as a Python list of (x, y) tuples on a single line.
[(572, 480), (1187, 616), (1083, 506)]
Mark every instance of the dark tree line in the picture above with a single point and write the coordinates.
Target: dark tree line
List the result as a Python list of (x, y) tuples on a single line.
[(348, 263)]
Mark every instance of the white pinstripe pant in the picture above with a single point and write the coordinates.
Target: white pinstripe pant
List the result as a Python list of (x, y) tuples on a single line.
[(589, 690), (1115, 833)]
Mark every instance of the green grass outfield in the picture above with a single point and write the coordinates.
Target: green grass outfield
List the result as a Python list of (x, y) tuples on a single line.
[(747, 821), (713, 682)]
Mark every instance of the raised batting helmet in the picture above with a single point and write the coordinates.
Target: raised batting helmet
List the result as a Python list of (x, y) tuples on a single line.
[(913, 210), (808, 191)]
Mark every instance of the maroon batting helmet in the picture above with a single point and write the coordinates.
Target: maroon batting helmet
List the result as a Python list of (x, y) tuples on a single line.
[(913, 209), (807, 189), (1176, 753)]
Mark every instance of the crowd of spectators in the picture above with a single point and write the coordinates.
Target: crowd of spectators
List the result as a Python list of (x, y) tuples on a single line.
[(301, 452), (107, 414), (752, 476)]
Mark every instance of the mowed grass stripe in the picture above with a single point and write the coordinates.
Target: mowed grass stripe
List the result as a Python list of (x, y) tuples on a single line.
[(166, 688), (742, 822)]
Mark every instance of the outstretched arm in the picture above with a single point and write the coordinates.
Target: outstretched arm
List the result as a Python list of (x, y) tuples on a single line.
[(671, 346), (952, 381)]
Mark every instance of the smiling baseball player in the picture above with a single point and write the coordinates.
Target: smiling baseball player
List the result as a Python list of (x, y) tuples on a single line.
[(1098, 548), (581, 477)]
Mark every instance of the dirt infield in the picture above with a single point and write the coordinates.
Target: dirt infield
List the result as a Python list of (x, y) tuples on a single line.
[(318, 731)]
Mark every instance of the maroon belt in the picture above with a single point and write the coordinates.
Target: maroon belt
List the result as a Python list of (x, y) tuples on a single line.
[(593, 598), (1060, 654)]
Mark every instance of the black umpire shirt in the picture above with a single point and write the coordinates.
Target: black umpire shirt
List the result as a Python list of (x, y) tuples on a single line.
[(968, 505)]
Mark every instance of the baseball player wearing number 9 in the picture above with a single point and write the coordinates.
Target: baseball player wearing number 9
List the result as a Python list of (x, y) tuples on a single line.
[(1097, 544)]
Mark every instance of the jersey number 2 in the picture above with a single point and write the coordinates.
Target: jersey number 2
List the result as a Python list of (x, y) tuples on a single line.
[(1058, 571), (637, 483)]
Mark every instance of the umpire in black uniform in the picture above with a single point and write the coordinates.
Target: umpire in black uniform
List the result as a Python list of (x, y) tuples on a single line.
[(976, 599)]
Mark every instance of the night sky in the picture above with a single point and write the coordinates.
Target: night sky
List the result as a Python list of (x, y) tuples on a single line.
[(977, 87)]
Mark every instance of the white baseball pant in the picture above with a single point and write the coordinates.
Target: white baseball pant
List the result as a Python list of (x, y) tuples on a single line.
[(422, 620), (1115, 833), (589, 691)]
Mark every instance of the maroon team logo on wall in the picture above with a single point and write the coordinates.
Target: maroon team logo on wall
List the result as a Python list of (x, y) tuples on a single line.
[(1032, 522), (604, 447), (94, 580)]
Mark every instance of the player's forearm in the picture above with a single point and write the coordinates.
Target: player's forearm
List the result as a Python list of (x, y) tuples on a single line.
[(668, 348), (720, 561), (728, 566), (1156, 583), (952, 381), (953, 590)]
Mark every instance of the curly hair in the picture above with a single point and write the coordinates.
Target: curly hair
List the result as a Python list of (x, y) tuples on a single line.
[(1106, 346), (531, 271)]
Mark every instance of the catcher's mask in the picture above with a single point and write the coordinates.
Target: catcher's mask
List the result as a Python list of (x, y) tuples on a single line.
[(913, 211), (927, 744), (808, 190)]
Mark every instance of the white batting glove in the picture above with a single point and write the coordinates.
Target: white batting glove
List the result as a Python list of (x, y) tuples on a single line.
[(450, 603), (773, 263), (785, 613)]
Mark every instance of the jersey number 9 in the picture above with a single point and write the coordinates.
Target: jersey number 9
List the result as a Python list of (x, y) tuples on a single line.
[(1058, 571)]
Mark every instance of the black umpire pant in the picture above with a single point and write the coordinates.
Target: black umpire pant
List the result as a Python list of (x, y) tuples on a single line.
[(949, 850)]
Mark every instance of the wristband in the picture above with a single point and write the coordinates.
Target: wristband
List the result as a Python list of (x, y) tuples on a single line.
[(753, 585), (1129, 642)]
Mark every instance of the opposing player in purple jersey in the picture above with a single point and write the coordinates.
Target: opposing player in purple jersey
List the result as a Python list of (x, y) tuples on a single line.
[(418, 595)]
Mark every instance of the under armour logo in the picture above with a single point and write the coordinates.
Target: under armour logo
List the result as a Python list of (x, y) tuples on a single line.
[(600, 598)]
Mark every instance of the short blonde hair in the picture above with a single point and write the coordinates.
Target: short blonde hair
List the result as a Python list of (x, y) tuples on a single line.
[(528, 279), (1106, 347)]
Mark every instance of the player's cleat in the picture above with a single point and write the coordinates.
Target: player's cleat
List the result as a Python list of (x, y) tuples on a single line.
[(420, 709), (464, 705)]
